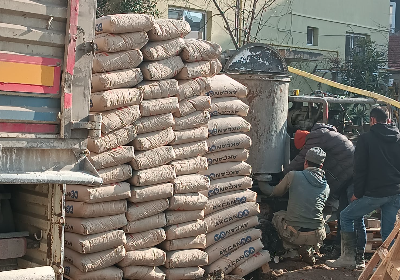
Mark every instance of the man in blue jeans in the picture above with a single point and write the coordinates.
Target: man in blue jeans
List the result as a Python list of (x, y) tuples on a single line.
[(376, 183)]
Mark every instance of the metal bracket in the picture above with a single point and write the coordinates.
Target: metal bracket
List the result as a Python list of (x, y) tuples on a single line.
[(93, 125)]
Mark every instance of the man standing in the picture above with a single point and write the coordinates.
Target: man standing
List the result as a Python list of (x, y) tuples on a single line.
[(376, 182), (302, 225)]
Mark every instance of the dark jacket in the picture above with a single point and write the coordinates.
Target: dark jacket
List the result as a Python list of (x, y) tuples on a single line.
[(377, 162), (339, 151)]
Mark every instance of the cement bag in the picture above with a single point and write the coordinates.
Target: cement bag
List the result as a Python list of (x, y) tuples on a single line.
[(163, 69), (94, 261), (183, 273), (195, 242), (154, 123), (190, 166), (156, 221), (188, 229), (227, 124), (166, 29), (228, 106), (229, 184), (228, 216), (118, 118), (226, 200), (228, 263), (91, 210), (108, 273), (191, 88), (115, 174), (235, 155), (191, 183), (112, 140), (153, 158), (188, 106), (180, 217), (186, 258), (191, 121), (252, 263), (152, 140), (147, 239), (231, 244), (227, 169), (187, 202), (106, 62), (190, 150), (231, 229), (152, 176), (163, 50), (159, 106), (116, 156), (158, 89), (228, 142), (148, 257), (137, 211), (114, 98), (190, 135), (94, 243), (143, 273), (117, 79), (120, 42), (197, 50), (88, 226), (193, 70), (124, 23), (150, 193), (118, 191), (224, 86)]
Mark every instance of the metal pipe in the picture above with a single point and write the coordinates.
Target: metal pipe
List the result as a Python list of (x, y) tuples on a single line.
[(304, 98), (304, 48)]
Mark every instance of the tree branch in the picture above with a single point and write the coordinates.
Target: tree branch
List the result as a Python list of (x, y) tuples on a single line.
[(227, 27)]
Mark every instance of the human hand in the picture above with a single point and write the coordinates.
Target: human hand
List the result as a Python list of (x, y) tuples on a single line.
[(353, 198)]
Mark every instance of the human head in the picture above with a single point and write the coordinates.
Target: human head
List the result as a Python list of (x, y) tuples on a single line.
[(315, 157), (300, 138), (378, 115)]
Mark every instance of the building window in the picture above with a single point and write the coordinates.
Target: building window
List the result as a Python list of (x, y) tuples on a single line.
[(392, 17), (352, 40), (312, 36), (196, 20)]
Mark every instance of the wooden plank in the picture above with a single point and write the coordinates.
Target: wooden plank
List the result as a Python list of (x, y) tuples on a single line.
[(29, 49), (44, 143), (14, 234), (28, 136), (393, 269), (32, 221), (34, 8), (18, 114), (30, 101), (32, 197), (33, 22)]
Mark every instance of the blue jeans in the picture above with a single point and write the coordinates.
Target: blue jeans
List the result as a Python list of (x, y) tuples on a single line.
[(389, 205)]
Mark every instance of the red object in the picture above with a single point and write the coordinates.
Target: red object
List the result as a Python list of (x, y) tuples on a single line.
[(28, 128), (300, 138)]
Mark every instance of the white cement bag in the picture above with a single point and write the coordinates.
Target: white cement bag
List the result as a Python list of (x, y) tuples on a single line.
[(188, 229), (152, 176), (186, 258), (114, 98), (227, 169), (153, 158), (193, 70), (91, 210), (224, 86), (191, 88), (152, 140), (86, 226), (94, 243), (163, 50), (191, 183), (146, 239), (226, 200), (191, 105), (124, 23), (227, 124), (154, 123), (120, 42), (94, 261), (137, 211), (112, 140), (143, 273), (190, 166), (163, 69), (228, 106), (158, 89), (252, 263), (166, 29), (156, 221), (187, 202), (197, 50), (183, 273), (115, 174), (190, 150), (118, 191), (229, 184), (146, 257), (117, 79), (228, 216), (150, 193), (118, 118), (195, 242), (228, 142), (107, 62), (190, 135), (117, 156), (235, 155), (180, 217), (159, 106), (191, 121), (108, 273), (231, 244)]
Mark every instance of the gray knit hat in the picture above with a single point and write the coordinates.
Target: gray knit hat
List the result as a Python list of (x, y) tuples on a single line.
[(316, 155)]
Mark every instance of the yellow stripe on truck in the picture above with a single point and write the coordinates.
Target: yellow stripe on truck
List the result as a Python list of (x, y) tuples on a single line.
[(28, 74)]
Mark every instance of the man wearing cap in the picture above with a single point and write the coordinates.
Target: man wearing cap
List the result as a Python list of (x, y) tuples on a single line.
[(302, 225)]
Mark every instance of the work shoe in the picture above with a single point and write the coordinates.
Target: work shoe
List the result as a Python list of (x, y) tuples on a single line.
[(333, 253), (348, 256), (360, 261), (307, 254)]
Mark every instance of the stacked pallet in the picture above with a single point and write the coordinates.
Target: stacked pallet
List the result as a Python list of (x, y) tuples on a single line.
[(374, 238)]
